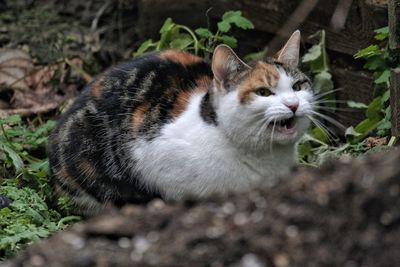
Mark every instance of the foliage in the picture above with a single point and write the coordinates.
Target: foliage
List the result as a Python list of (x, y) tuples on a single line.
[(318, 61), (26, 184), (379, 60), (200, 41), (315, 147)]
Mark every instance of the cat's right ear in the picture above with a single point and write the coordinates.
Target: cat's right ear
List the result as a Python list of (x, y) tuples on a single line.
[(226, 66)]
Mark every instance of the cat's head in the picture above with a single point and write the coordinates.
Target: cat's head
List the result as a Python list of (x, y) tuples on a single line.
[(265, 102)]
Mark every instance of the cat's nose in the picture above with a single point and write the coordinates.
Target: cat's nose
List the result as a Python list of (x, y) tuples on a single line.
[(293, 106)]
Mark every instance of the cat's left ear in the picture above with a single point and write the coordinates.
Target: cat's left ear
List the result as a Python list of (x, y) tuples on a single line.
[(226, 66), (289, 54)]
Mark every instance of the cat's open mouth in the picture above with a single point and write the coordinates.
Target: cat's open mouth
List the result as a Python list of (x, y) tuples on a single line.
[(287, 126)]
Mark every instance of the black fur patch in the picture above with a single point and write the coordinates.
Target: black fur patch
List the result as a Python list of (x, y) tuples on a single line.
[(207, 110)]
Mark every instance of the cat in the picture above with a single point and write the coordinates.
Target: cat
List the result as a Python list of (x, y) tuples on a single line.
[(168, 125)]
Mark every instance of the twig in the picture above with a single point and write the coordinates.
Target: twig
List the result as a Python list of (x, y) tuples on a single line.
[(295, 20), (87, 77), (340, 14)]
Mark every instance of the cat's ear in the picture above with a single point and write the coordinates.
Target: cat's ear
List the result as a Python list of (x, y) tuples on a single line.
[(226, 65), (289, 54)]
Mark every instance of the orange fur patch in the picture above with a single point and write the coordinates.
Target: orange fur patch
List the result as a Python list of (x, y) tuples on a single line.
[(183, 97), (139, 115), (96, 88), (262, 75), (64, 177), (87, 169), (180, 57)]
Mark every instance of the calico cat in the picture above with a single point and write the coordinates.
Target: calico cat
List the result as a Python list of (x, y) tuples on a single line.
[(169, 125)]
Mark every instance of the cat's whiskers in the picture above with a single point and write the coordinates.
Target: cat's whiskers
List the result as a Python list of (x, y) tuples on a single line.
[(318, 96), (333, 109), (329, 119), (272, 137), (331, 135)]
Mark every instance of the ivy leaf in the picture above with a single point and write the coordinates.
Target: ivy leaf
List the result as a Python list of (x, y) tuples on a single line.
[(229, 40), (383, 77), (353, 104), (312, 54)]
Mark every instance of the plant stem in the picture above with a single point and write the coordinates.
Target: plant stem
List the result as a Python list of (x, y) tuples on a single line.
[(196, 42)]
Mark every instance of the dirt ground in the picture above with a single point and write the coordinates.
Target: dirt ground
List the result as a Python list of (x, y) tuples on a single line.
[(345, 214)]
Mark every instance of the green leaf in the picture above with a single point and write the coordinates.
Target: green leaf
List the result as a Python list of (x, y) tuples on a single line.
[(385, 96), (323, 82), (181, 43), (167, 26), (351, 132), (370, 51), (383, 77), (15, 158), (236, 18), (320, 134), (353, 104), (204, 33), (312, 54), (13, 119), (144, 47), (366, 126), (382, 33), (375, 63), (224, 26), (374, 111), (229, 40), (255, 56)]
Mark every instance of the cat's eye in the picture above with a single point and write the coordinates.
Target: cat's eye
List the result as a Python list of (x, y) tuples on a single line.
[(297, 85), (262, 91)]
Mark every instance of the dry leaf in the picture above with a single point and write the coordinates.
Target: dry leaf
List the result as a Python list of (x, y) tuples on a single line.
[(15, 65)]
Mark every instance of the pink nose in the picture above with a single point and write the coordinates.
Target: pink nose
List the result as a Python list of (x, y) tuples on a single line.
[(293, 107)]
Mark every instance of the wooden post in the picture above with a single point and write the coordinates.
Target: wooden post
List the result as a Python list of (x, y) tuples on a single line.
[(394, 44), (395, 101)]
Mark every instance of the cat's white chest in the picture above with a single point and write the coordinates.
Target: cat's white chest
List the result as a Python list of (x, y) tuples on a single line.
[(191, 157)]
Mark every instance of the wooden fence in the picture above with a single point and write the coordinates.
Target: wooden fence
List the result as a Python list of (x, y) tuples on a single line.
[(349, 26)]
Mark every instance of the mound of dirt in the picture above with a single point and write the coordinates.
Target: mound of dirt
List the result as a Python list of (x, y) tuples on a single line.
[(345, 214)]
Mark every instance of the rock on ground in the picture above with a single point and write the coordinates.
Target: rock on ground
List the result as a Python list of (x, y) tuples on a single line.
[(345, 214)]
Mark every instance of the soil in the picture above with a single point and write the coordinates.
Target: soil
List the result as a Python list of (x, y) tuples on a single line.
[(346, 213)]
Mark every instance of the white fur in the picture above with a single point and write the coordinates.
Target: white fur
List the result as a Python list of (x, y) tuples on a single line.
[(191, 157)]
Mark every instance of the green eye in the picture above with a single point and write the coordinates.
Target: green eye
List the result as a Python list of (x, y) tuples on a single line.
[(262, 91), (297, 86)]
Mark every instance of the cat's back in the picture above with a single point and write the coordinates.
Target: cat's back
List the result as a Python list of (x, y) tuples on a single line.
[(88, 149)]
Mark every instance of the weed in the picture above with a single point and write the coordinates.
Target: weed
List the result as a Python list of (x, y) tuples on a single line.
[(200, 41), (25, 186)]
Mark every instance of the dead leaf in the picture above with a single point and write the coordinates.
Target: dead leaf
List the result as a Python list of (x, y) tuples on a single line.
[(15, 65), (32, 89)]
